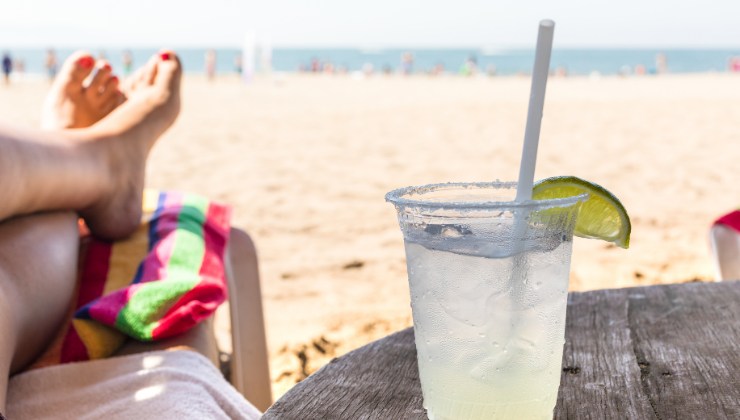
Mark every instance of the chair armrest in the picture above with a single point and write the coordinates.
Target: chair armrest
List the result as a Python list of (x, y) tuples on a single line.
[(250, 372)]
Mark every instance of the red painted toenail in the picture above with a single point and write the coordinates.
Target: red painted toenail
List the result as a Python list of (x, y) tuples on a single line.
[(165, 56), (107, 67), (114, 79), (86, 62)]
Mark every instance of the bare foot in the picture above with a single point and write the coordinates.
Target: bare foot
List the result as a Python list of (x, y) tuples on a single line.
[(76, 102), (125, 138)]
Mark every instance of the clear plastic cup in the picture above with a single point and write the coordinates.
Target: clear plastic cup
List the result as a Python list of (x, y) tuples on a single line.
[(489, 286)]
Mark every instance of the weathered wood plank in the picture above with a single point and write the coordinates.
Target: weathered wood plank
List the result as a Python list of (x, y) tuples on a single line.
[(687, 344), (658, 352), (377, 381), (600, 379)]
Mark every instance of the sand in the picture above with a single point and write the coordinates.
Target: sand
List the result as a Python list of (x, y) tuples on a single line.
[(306, 160)]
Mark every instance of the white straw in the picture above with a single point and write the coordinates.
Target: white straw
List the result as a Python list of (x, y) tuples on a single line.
[(534, 115)]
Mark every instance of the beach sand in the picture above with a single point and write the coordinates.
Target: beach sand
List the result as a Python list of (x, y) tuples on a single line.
[(306, 160)]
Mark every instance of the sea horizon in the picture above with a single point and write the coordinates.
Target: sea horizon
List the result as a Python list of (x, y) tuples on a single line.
[(491, 60)]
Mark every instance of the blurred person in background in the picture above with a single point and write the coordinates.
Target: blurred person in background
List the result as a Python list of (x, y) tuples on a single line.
[(7, 67)]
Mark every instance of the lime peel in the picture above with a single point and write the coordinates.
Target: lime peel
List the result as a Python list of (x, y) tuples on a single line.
[(602, 215)]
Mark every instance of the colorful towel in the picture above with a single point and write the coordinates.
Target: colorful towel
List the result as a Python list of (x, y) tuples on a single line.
[(731, 220), (163, 280)]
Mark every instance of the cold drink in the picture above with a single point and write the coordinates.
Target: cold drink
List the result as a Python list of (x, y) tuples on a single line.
[(488, 282)]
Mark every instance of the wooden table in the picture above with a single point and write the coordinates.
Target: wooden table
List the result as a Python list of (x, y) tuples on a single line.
[(657, 352)]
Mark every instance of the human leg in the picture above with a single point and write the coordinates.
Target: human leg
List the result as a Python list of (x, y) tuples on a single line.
[(72, 103), (99, 170), (38, 266)]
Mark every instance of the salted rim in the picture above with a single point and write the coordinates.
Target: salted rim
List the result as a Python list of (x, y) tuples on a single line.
[(397, 197)]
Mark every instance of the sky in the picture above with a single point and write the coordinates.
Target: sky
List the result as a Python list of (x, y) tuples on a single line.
[(369, 23)]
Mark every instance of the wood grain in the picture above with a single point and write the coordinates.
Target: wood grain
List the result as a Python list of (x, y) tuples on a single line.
[(377, 381), (658, 352)]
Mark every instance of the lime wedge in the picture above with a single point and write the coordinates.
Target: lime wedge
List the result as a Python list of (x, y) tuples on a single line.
[(602, 216)]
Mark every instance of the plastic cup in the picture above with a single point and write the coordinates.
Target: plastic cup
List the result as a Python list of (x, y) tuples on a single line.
[(489, 285)]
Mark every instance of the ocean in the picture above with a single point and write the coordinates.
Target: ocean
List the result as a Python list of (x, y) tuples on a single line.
[(500, 62)]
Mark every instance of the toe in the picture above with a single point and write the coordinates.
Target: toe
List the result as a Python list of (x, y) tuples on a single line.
[(76, 68), (150, 70), (110, 89), (101, 77), (142, 76), (111, 102), (168, 68)]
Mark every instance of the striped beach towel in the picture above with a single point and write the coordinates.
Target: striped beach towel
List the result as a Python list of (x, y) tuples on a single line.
[(163, 280)]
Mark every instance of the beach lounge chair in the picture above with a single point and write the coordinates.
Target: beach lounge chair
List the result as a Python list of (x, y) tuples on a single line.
[(724, 239), (248, 373)]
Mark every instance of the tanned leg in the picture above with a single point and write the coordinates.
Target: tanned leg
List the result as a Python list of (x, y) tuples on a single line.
[(97, 171), (38, 268)]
